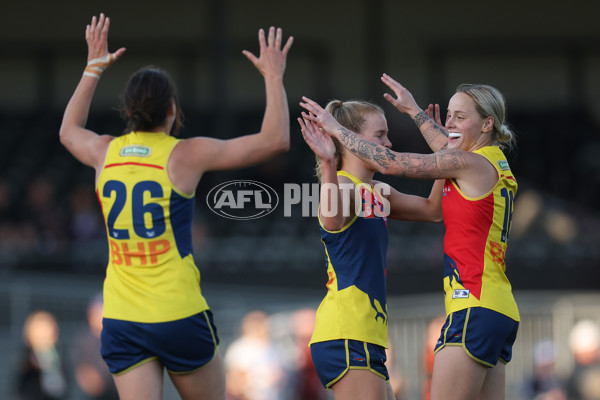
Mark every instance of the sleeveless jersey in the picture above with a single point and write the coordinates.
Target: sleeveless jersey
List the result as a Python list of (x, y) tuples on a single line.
[(355, 305), (151, 275), (475, 242)]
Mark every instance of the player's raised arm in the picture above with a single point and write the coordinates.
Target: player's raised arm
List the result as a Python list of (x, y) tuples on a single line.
[(331, 196), (205, 154), (85, 145), (434, 133), (444, 164)]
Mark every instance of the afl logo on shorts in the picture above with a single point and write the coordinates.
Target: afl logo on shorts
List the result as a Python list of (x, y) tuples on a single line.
[(242, 199)]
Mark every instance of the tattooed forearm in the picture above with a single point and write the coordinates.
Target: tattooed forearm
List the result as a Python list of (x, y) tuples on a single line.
[(390, 154), (422, 166), (432, 132), (379, 156), (348, 137), (421, 118)]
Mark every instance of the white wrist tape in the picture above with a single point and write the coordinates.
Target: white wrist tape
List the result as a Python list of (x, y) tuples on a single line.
[(96, 67)]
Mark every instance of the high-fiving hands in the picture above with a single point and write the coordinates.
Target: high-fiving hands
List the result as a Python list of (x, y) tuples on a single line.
[(319, 142), (404, 100), (99, 58), (406, 103), (320, 117), (271, 60)]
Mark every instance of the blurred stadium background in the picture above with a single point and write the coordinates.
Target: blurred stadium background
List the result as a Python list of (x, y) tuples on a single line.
[(544, 57)]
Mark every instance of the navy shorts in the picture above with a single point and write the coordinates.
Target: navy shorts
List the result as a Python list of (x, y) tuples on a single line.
[(486, 335), (333, 358), (181, 346)]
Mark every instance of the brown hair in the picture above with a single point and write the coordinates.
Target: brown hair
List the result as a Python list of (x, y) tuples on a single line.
[(147, 100)]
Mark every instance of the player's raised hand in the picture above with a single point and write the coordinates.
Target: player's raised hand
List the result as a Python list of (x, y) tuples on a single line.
[(433, 112), (404, 100), (319, 142), (96, 36), (272, 58), (321, 117)]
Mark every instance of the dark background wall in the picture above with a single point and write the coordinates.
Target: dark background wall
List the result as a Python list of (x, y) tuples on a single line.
[(544, 56)]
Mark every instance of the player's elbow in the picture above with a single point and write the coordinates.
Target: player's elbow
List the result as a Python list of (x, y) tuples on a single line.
[(437, 216), (285, 146), (437, 219), (281, 145), (64, 136)]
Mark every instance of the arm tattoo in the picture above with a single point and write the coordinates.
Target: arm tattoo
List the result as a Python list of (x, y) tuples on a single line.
[(421, 166), (431, 132), (429, 166), (451, 160), (377, 155), (421, 118)]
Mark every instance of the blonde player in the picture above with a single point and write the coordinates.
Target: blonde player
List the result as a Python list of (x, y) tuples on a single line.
[(155, 316), (348, 345), (479, 190)]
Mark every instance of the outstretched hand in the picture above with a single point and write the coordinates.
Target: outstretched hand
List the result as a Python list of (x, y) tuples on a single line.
[(319, 116), (272, 58), (404, 100), (320, 143), (96, 36), (434, 114)]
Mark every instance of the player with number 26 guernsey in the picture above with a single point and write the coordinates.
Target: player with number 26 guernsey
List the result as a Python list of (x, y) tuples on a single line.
[(155, 317)]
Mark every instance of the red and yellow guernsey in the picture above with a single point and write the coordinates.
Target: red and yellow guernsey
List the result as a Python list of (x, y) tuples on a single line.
[(475, 242), (151, 275)]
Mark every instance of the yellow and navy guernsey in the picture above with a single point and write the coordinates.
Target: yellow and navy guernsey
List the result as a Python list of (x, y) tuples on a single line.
[(475, 242), (151, 275), (355, 306)]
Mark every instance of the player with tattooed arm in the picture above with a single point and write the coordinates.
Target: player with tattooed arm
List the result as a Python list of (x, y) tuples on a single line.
[(482, 315)]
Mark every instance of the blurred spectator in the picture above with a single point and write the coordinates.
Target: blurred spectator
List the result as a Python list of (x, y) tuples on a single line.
[(91, 373), (252, 364), (41, 374), (584, 341), (86, 223), (545, 384), (42, 210), (6, 201), (16, 238), (6, 222), (432, 334)]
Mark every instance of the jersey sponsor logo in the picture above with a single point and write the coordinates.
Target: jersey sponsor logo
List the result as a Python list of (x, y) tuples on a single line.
[(447, 189), (503, 164), (135, 151), (146, 253), (242, 199), (461, 294)]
